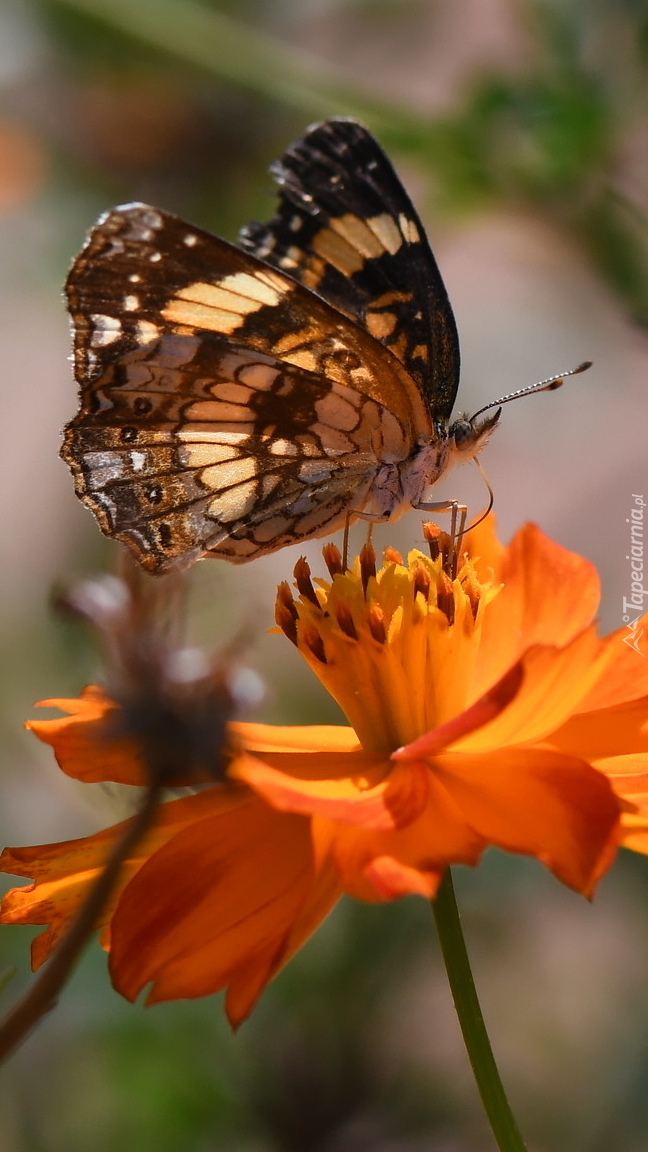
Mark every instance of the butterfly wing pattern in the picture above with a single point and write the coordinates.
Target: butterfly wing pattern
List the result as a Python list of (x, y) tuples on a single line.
[(236, 399), (346, 228)]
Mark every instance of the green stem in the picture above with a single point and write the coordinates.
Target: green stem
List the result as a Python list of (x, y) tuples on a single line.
[(471, 1021)]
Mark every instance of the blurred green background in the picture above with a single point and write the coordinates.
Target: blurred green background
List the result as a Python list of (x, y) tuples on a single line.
[(520, 130)]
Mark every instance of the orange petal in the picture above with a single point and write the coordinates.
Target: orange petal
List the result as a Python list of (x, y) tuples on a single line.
[(63, 872), (549, 596), (439, 836), (296, 738), (480, 713), (615, 731), (540, 803), (248, 981), (626, 677), (486, 550), (395, 800), (84, 741), (393, 879), (634, 833), (628, 776), (626, 773), (366, 767), (217, 905), (555, 681)]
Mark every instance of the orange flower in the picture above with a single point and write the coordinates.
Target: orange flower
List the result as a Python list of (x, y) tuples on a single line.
[(481, 714)]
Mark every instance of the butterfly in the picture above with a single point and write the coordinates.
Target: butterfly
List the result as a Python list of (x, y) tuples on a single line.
[(237, 399)]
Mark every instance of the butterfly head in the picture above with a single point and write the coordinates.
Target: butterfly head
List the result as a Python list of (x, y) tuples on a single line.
[(468, 434)]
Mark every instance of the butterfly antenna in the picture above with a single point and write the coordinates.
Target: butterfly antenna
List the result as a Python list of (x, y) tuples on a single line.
[(547, 385)]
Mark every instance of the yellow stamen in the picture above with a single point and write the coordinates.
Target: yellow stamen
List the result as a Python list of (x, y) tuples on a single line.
[(396, 647)]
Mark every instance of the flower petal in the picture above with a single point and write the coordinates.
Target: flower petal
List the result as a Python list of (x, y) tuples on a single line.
[(296, 738), (84, 741), (64, 872), (487, 708), (555, 681), (614, 731), (417, 852), (486, 550), (541, 803), (549, 596), (626, 677), (396, 798), (393, 879), (626, 773), (193, 930)]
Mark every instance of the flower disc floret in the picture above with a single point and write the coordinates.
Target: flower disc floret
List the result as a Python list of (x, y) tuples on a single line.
[(396, 647)]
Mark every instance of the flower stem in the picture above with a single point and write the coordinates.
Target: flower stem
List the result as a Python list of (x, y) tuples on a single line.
[(471, 1021)]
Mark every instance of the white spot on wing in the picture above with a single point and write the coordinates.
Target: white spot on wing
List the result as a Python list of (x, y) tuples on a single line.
[(151, 218), (408, 228), (106, 329)]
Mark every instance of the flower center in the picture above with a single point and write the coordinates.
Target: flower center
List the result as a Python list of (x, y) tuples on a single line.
[(396, 647)]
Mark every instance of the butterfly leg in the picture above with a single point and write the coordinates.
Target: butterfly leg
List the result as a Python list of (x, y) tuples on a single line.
[(371, 518), (458, 514)]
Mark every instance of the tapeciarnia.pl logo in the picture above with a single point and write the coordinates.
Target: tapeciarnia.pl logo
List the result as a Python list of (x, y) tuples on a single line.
[(633, 605)]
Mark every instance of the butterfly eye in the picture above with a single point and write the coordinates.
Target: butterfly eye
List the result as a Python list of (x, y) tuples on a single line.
[(463, 434)]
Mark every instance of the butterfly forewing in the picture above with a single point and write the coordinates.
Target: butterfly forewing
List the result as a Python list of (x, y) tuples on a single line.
[(225, 408), (346, 228)]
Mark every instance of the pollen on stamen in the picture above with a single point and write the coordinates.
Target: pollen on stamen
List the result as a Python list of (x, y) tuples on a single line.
[(376, 622), (286, 614), (333, 560), (303, 581), (344, 618), (367, 565), (315, 644), (391, 556)]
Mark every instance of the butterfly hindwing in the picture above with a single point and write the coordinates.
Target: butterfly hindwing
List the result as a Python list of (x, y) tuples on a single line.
[(346, 228)]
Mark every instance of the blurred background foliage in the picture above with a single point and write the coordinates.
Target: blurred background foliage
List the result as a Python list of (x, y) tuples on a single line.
[(519, 127)]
